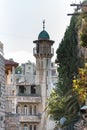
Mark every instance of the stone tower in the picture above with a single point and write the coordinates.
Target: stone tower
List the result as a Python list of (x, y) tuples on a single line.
[(43, 53)]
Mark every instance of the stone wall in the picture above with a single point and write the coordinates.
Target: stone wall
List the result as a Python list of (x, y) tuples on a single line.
[(12, 122)]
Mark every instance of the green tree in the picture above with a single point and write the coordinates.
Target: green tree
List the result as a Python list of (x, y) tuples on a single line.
[(67, 55), (63, 102), (18, 70), (80, 84)]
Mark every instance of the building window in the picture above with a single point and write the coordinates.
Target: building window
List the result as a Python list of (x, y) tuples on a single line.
[(25, 127), (29, 67), (37, 47), (10, 106), (30, 110), (53, 72), (47, 73), (18, 110), (21, 89), (31, 127), (11, 79), (33, 90), (47, 62), (25, 109), (34, 127), (34, 110)]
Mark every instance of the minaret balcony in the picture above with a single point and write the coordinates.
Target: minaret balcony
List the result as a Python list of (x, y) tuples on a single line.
[(49, 52), (30, 118)]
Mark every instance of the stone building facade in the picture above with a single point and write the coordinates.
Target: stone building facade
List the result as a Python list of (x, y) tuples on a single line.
[(2, 89)]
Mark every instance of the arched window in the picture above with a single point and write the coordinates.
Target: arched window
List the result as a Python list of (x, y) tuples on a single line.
[(25, 110), (18, 109), (25, 127)]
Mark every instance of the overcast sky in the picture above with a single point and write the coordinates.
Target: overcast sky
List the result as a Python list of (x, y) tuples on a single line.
[(21, 23)]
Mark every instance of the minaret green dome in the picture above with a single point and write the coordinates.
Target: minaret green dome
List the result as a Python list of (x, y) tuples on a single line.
[(43, 35)]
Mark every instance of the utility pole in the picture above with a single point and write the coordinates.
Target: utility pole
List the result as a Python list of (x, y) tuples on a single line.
[(78, 9)]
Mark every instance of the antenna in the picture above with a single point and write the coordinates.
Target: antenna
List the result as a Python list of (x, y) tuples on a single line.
[(44, 24)]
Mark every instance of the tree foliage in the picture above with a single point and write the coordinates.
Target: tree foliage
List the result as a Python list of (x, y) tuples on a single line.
[(63, 102), (83, 31), (67, 55), (80, 84), (18, 70)]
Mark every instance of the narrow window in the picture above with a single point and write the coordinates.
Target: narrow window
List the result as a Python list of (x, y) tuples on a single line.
[(25, 127), (30, 110), (33, 90), (34, 110), (30, 127), (25, 110), (21, 89), (34, 127), (37, 47), (18, 110)]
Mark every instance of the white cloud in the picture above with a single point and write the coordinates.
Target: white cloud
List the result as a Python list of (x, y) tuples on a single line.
[(20, 56)]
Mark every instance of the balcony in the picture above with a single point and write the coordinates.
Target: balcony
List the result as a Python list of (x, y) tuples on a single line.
[(29, 99), (30, 118), (43, 51)]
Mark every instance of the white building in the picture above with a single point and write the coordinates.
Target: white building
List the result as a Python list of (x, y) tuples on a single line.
[(27, 74)]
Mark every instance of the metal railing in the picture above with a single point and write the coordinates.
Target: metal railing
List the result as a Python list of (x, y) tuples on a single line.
[(43, 50)]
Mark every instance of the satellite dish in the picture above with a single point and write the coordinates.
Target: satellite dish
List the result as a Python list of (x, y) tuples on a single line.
[(62, 120)]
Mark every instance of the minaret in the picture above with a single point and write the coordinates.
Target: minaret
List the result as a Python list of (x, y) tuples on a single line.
[(43, 53)]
